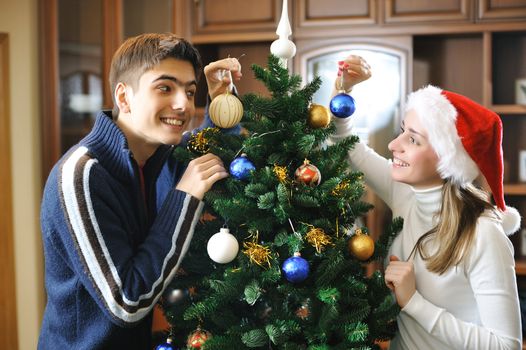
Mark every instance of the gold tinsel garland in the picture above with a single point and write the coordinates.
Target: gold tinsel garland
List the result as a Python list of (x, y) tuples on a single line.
[(318, 238), (342, 186), (200, 142), (257, 253), (281, 173)]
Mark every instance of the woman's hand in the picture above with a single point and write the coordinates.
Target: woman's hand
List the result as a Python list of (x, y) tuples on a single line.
[(351, 71), (400, 278), (218, 77), (201, 174)]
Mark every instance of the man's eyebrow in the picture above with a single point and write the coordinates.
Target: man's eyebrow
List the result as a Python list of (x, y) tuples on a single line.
[(175, 80)]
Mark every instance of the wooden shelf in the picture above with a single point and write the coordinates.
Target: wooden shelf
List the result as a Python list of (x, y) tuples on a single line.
[(509, 109), (520, 267), (515, 189)]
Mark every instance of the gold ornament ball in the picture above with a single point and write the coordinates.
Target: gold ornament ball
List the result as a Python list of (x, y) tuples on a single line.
[(226, 110), (361, 246), (319, 116)]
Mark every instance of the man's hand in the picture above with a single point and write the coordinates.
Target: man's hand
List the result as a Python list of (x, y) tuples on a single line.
[(400, 278), (201, 174), (218, 77), (351, 71)]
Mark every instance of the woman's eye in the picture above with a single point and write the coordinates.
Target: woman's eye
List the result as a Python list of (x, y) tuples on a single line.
[(190, 93), (412, 140)]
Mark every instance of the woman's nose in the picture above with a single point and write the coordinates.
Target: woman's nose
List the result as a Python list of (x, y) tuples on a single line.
[(393, 145)]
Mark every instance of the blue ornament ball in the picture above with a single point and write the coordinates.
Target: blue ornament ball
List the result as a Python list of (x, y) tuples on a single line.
[(296, 269), (342, 105), (166, 346), (241, 167)]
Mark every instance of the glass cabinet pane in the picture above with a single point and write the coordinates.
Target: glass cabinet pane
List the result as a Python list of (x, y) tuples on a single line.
[(147, 16), (80, 67), (378, 100)]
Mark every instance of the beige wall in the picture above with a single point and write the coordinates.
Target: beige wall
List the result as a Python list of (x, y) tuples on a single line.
[(19, 20)]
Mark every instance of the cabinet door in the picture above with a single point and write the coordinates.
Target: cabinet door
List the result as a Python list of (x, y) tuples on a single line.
[(312, 13), (420, 11), (501, 10), (226, 20), (379, 100)]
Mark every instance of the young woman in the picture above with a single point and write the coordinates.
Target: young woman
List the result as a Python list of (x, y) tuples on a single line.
[(451, 267)]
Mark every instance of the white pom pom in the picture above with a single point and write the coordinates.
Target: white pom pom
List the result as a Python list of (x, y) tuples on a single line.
[(511, 220), (222, 247)]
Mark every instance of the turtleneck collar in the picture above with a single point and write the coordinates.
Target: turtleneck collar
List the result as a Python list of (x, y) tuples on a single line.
[(108, 144), (429, 200)]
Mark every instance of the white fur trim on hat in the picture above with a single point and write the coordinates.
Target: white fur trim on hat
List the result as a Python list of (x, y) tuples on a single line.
[(511, 220), (438, 115)]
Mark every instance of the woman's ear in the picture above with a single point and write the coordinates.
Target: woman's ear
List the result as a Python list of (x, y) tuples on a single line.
[(121, 98)]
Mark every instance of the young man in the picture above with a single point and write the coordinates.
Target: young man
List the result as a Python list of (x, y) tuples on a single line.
[(118, 212)]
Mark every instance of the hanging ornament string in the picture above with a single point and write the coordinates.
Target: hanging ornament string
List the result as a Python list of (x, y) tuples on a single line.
[(341, 89), (227, 71), (254, 136), (294, 231)]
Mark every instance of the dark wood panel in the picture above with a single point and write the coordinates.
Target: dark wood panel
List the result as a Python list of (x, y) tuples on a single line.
[(49, 80), (418, 11), (509, 65), (501, 10), (451, 62), (8, 324), (212, 16), (336, 12)]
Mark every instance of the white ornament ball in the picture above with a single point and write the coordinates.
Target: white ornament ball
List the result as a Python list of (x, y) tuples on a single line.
[(222, 247), (283, 48), (226, 110)]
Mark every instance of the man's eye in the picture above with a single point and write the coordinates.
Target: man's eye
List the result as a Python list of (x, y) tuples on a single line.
[(164, 88)]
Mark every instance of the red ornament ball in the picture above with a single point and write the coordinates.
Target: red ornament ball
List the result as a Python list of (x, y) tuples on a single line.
[(308, 174), (197, 338)]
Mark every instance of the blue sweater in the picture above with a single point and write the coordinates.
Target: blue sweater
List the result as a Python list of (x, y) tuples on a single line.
[(110, 250)]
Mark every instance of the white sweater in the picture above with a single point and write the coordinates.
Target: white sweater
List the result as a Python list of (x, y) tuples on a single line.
[(472, 306)]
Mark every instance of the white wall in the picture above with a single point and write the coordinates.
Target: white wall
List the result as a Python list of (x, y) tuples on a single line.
[(19, 20)]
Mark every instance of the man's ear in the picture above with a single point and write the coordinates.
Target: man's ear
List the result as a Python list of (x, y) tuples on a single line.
[(122, 98)]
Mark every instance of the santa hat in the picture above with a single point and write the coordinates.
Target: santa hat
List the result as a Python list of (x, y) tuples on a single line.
[(467, 138)]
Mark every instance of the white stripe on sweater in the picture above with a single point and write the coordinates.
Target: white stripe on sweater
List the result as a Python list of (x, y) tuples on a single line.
[(78, 225)]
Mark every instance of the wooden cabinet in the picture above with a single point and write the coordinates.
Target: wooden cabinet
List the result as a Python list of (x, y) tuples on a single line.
[(419, 11), (233, 20), (316, 14), (491, 10)]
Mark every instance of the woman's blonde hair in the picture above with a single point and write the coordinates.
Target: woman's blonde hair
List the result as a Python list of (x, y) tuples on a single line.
[(455, 232)]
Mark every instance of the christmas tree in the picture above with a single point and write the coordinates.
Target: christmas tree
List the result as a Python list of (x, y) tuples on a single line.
[(292, 206)]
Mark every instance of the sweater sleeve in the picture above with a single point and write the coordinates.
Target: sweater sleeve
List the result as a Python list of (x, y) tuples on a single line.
[(491, 272), (377, 169), (124, 267)]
